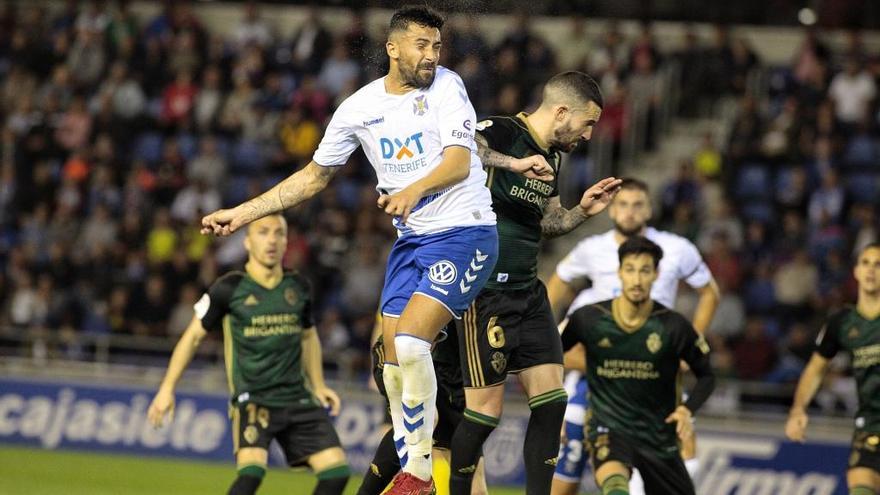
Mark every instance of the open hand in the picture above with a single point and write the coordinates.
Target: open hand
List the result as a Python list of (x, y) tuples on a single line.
[(599, 196), (162, 405), (684, 428), (327, 397)]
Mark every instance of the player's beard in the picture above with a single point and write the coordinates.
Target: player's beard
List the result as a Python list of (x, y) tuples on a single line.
[(628, 232), (565, 139), (413, 76)]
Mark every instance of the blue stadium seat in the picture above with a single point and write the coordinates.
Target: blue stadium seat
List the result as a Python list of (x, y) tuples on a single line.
[(753, 181), (248, 156), (861, 152), (758, 211), (148, 148), (237, 189), (862, 187), (188, 145)]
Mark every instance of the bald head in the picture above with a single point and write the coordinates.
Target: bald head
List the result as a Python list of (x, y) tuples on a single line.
[(572, 89)]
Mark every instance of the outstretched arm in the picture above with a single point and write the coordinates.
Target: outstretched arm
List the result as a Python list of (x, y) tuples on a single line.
[(708, 302), (558, 221), (298, 187)]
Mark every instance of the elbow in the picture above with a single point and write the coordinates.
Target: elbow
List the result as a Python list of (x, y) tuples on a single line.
[(463, 171)]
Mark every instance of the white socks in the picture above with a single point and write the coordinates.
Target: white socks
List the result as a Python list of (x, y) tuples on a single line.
[(393, 379), (418, 399)]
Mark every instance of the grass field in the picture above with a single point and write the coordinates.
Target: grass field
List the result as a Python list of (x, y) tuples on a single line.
[(25, 471)]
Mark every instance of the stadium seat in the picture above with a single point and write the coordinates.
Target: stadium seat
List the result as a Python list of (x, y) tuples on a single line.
[(188, 146), (863, 187), (861, 152), (148, 148), (753, 181), (248, 156), (758, 211), (237, 189)]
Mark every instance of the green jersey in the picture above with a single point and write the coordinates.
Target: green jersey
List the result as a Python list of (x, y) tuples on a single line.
[(262, 337), (519, 202), (633, 375), (850, 331)]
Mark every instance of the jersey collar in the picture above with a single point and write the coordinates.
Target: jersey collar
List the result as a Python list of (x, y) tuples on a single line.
[(532, 133)]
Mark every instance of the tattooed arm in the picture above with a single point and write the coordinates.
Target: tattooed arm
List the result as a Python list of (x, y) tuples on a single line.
[(533, 167), (300, 186), (557, 220)]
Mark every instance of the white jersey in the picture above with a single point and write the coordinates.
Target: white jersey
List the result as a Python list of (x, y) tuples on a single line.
[(404, 137), (596, 258)]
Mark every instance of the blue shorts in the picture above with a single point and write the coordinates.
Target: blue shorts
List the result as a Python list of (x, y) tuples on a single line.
[(450, 267), (572, 455)]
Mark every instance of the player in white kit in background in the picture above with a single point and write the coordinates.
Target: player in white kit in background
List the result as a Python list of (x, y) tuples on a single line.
[(595, 258), (416, 126)]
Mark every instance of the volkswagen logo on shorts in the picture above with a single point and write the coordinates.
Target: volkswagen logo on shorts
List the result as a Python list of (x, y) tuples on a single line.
[(442, 273)]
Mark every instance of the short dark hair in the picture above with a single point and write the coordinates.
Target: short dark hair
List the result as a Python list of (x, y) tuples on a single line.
[(579, 85), (636, 245), (633, 184), (419, 14)]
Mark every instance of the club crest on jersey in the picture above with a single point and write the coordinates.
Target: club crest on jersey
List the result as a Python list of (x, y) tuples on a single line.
[(420, 105), (290, 296), (442, 273), (654, 343), (853, 333)]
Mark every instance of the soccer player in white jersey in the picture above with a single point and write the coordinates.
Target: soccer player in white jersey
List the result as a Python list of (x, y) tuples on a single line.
[(416, 126), (595, 258)]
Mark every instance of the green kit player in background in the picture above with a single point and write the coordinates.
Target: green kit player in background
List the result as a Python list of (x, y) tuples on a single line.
[(273, 364), (633, 347), (510, 328), (857, 331)]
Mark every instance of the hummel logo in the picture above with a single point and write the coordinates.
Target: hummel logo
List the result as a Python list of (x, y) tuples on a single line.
[(479, 257), (251, 301), (468, 470), (605, 343)]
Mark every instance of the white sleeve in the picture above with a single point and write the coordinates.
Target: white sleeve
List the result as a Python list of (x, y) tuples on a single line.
[(574, 266), (456, 116), (693, 270), (338, 143)]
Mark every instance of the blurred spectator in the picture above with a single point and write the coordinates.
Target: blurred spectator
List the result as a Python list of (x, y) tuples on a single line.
[(182, 313), (209, 166), (684, 188), (723, 262), (755, 353), (193, 202), (178, 99), (339, 71), (253, 29), (852, 91), (310, 44), (75, 125), (795, 284), (209, 100), (162, 239), (826, 203), (299, 135), (707, 159)]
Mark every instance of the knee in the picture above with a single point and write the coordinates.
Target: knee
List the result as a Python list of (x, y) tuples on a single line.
[(411, 349)]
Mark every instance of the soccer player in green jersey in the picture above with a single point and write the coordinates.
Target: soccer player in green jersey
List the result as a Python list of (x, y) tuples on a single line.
[(273, 364), (632, 347), (510, 328), (857, 331)]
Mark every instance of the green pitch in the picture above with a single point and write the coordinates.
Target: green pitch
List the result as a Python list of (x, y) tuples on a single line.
[(27, 471)]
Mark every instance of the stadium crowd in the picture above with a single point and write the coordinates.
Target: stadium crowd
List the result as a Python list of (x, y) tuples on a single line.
[(119, 132)]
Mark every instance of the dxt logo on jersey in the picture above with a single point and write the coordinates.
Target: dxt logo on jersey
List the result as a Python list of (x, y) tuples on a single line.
[(401, 149)]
